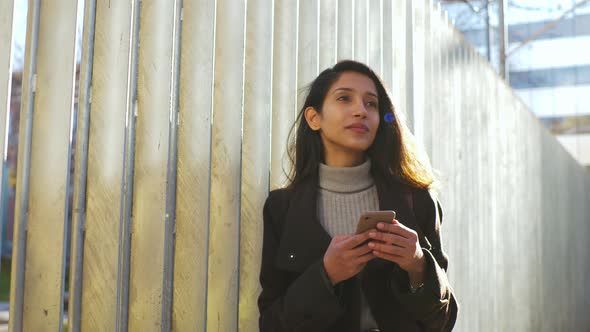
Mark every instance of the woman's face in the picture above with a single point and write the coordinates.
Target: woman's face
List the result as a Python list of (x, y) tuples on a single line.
[(349, 118)]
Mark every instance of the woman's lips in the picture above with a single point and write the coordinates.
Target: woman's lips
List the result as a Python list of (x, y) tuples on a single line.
[(359, 128)]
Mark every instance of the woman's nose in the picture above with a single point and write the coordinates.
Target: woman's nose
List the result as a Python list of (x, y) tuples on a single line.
[(360, 110)]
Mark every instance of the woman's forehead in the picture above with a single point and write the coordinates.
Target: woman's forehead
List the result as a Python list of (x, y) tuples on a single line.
[(354, 82)]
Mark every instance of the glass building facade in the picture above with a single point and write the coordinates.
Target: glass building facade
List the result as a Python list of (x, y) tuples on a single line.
[(547, 55)]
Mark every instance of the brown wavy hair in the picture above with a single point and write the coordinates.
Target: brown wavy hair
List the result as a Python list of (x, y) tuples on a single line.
[(393, 154)]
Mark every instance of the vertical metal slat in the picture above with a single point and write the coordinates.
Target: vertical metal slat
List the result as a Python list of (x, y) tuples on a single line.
[(361, 29), (375, 36), (6, 16), (224, 231), (345, 32), (255, 155), (151, 225), (17, 278), (399, 54), (328, 22), (387, 42), (126, 198), (80, 169), (46, 134), (194, 161), (170, 216), (307, 47), (284, 90)]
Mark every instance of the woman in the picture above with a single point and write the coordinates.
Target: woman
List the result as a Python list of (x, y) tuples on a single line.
[(352, 154)]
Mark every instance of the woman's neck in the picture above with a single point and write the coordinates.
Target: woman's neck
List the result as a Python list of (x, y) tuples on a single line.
[(344, 159)]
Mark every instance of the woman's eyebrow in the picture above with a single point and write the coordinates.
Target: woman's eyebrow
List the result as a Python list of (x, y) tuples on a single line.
[(352, 90)]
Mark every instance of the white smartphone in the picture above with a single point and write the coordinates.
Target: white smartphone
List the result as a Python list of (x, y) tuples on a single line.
[(370, 220)]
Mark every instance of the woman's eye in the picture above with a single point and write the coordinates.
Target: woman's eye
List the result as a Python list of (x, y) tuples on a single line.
[(372, 104), (343, 98)]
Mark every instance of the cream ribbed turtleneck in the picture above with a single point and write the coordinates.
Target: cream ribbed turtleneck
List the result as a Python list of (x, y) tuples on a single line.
[(344, 194)]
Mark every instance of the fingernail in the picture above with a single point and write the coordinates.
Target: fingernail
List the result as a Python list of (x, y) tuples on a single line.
[(380, 225), (372, 234), (371, 245)]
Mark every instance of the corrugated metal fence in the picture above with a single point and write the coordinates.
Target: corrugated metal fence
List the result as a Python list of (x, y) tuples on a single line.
[(183, 113)]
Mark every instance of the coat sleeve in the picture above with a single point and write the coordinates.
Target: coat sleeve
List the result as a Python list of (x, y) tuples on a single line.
[(435, 305), (290, 301)]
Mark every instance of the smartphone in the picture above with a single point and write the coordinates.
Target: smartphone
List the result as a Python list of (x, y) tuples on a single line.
[(370, 220)]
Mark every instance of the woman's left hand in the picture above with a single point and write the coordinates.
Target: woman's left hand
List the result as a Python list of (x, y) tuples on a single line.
[(398, 244)]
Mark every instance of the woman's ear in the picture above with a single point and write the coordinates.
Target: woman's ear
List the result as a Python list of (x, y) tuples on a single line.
[(313, 118)]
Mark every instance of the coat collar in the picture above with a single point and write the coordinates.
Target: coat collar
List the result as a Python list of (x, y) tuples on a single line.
[(304, 240)]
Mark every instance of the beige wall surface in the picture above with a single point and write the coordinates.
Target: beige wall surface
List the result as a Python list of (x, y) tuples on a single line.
[(186, 106)]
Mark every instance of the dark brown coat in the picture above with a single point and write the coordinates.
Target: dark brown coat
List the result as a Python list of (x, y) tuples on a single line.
[(295, 295)]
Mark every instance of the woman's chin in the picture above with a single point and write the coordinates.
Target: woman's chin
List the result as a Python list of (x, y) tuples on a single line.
[(358, 149), (359, 146)]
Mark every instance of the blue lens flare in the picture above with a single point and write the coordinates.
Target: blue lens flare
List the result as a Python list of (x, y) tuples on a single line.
[(389, 117)]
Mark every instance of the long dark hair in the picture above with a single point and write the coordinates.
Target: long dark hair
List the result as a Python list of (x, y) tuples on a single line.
[(393, 153)]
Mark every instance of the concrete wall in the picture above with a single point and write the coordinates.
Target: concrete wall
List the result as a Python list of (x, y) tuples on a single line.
[(517, 205), (182, 121)]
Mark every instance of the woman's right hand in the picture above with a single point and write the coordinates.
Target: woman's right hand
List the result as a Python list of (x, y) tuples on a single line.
[(346, 257)]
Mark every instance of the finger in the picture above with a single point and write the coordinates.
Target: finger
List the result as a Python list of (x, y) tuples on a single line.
[(398, 228), (388, 249), (394, 221), (365, 258), (402, 226), (360, 250), (390, 238), (355, 240), (392, 258)]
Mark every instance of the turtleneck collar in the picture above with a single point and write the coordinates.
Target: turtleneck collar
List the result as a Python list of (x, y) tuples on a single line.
[(346, 179)]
